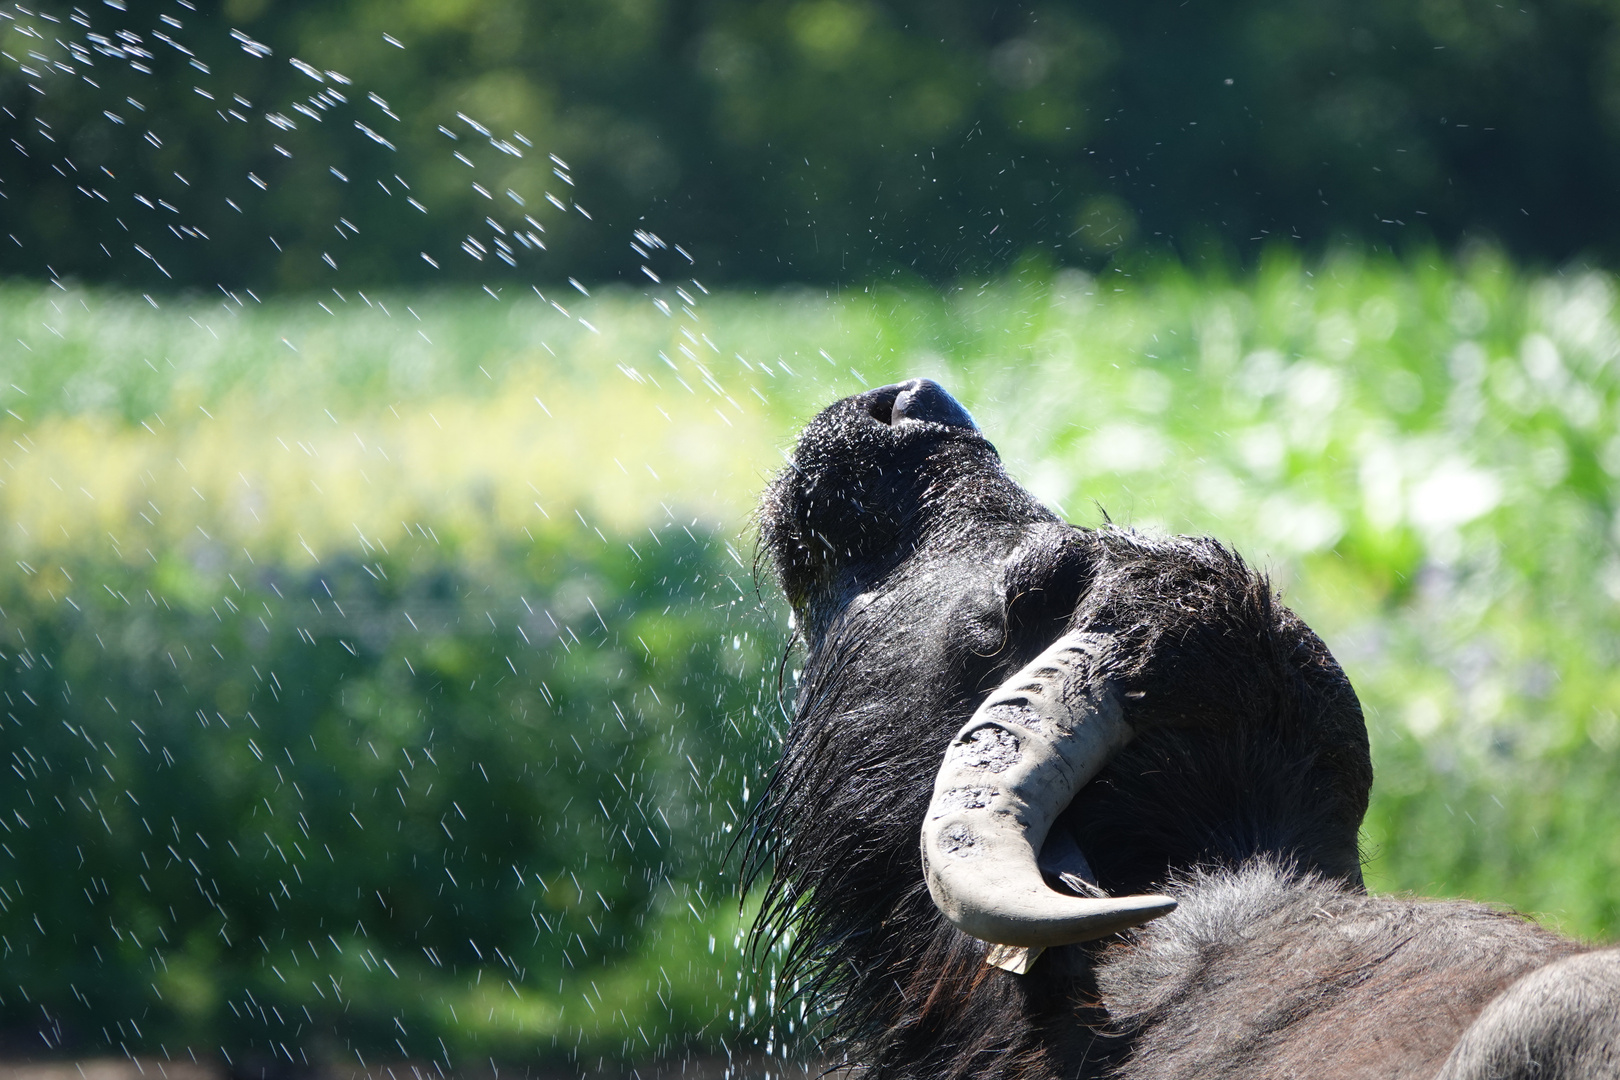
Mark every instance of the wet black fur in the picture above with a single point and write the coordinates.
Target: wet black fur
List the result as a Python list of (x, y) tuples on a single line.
[(921, 576)]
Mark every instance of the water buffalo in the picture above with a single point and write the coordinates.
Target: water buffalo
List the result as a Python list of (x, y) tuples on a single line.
[(1062, 802)]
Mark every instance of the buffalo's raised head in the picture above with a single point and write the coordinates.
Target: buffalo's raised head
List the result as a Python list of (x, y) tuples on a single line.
[(1012, 731)]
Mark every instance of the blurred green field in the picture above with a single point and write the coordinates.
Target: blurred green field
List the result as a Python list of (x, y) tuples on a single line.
[(548, 504)]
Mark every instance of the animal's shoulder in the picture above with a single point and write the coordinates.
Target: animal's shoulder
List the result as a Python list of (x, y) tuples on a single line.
[(1559, 1022), (1267, 972)]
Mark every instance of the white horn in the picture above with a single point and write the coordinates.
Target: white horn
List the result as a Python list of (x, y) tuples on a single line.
[(1007, 775)]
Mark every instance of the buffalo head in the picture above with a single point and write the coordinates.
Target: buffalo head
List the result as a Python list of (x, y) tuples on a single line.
[(1013, 732)]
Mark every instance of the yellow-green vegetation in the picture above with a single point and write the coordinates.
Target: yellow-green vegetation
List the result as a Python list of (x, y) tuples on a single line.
[(460, 590), (291, 428)]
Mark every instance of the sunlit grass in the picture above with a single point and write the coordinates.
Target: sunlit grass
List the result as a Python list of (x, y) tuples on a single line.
[(148, 428)]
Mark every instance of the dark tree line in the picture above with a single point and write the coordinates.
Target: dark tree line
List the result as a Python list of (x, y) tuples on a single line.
[(818, 139)]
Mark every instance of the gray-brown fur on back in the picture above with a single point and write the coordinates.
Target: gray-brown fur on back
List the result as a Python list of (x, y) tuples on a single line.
[(1560, 1022), (1267, 973)]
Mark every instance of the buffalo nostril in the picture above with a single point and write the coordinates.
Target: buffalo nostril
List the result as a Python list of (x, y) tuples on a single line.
[(916, 399), (925, 399), (879, 403)]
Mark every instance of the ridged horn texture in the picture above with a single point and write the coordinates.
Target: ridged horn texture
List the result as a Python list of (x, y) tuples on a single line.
[(1007, 775)]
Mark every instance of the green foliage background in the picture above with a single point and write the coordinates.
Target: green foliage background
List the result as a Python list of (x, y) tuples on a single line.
[(299, 841), (372, 698)]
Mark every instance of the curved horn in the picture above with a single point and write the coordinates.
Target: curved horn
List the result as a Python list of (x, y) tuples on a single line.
[(1007, 775)]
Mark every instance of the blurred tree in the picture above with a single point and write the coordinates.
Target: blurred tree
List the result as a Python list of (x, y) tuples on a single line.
[(203, 857), (811, 139)]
